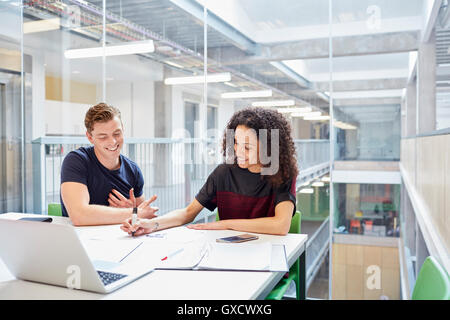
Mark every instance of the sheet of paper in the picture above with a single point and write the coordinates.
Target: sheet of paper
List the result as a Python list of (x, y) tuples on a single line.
[(110, 250), (279, 260), (173, 235), (237, 256), (102, 233), (176, 235), (179, 256)]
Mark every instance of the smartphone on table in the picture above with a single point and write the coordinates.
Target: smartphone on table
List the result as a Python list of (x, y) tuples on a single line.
[(237, 239)]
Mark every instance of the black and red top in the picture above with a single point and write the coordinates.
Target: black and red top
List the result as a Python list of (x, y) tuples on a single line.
[(241, 194)]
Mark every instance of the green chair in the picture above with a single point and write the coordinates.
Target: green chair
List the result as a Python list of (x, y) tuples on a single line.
[(54, 209), (432, 283), (294, 272), (278, 292)]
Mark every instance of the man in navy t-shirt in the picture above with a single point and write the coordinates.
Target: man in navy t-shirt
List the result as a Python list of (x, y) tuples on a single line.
[(98, 184)]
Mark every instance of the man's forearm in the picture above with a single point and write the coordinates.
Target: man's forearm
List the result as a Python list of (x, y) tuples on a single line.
[(97, 215)]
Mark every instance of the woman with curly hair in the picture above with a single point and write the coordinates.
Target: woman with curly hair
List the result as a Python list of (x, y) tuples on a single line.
[(253, 190)]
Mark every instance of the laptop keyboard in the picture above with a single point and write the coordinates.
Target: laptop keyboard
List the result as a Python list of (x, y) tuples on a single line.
[(109, 277)]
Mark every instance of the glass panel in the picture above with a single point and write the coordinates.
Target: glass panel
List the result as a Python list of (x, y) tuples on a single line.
[(12, 127), (64, 40), (367, 209), (441, 47), (372, 46), (367, 132)]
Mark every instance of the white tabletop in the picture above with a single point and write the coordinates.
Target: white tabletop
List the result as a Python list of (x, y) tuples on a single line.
[(166, 284)]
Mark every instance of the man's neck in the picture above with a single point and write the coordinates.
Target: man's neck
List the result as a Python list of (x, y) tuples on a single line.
[(110, 164)]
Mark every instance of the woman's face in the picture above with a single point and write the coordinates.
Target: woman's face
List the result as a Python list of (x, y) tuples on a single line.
[(246, 148)]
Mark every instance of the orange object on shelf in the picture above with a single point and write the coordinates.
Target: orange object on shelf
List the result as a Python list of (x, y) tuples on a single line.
[(354, 223)]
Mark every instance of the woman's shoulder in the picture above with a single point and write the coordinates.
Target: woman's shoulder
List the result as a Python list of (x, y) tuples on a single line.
[(222, 169)]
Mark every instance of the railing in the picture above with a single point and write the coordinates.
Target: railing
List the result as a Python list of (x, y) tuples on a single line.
[(425, 170), (316, 250), (173, 169), (311, 153)]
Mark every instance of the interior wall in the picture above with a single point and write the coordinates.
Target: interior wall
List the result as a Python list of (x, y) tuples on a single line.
[(354, 269)]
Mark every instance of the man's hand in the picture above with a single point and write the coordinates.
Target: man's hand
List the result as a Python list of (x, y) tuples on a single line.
[(117, 200), (145, 211)]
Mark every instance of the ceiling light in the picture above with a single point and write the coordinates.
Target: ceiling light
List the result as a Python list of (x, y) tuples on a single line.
[(307, 190), (273, 103), (247, 94), (211, 77), (326, 179), (313, 114), (41, 25), (318, 184), (297, 110), (230, 84), (116, 50), (317, 118), (173, 64), (344, 125), (164, 48)]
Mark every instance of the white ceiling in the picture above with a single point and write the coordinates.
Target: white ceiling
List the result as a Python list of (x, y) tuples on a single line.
[(381, 66), (268, 21)]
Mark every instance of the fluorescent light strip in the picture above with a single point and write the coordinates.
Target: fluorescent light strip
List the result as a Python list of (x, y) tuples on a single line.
[(297, 110), (274, 103), (213, 77), (247, 94), (173, 64), (230, 84), (117, 50), (318, 184), (344, 125), (308, 114), (41, 25), (317, 118), (307, 190)]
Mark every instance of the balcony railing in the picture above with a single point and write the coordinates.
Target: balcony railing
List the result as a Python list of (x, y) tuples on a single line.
[(173, 169)]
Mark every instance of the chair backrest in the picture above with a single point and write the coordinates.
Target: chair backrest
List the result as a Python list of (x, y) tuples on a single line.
[(296, 223), (54, 209), (432, 283)]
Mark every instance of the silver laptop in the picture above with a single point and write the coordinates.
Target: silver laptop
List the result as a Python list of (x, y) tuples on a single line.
[(53, 254)]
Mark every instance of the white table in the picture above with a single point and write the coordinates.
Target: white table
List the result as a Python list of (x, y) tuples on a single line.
[(171, 284)]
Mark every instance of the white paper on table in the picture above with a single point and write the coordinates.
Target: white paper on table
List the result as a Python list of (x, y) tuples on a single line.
[(238, 256), (173, 235), (176, 235), (102, 233), (187, 255), (110, 250)]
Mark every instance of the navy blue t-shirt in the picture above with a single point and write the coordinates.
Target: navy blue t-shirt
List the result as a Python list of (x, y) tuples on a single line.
[(82, 166)]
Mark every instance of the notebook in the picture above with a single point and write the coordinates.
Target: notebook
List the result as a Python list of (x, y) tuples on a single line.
[(225, 256)]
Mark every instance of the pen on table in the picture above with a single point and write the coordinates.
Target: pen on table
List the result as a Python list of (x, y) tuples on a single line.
[(130, 252), (172, 254)]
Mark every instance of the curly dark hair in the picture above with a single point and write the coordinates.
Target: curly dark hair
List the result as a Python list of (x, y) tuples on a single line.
[(259, 118)]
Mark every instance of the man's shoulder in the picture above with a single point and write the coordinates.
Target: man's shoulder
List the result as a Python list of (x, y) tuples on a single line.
[(81, 153), (130, 163)]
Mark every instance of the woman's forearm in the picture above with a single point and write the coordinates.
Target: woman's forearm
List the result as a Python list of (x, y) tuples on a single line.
[(268, 225)]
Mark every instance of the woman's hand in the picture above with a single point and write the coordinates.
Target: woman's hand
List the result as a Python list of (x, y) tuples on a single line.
[(142, 226)]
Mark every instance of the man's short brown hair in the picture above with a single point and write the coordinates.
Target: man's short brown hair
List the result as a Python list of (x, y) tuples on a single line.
[(100, 113)]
